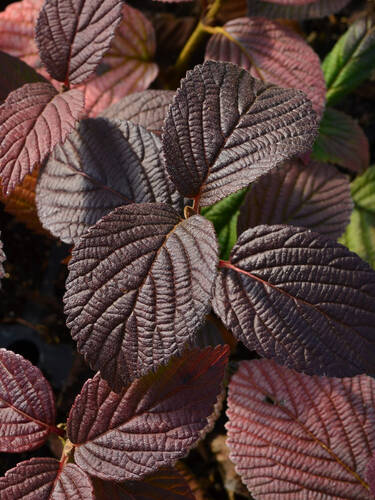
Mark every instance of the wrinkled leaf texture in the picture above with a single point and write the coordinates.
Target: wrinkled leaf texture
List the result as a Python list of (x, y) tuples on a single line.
[(17, 25), (370, 475), (363, 190), (315, 196), (225, 129), (73, 36), (302, 299), (273, 53), (315, 9), (351, 60), (149, 424), (45, 479), (27, 407), (148, 108), (166, 484), (33, 120), (293, 436), (139, 286), (102, 164), (342, 141), (128, 64), (17, 74)]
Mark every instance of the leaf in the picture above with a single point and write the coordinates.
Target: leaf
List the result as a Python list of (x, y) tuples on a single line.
[(315, 9), (103, 164), (27, 407), (46, 478), (359, 235), (166, 484), (17, 74), (293, 436), (21, 203), (316, 196), (350, 61), (224, 215), (226, 129), (129, 63), (232, 9), (73, 37), (300, 298), (370, 475), (17, 23), (2, 260), (342, 141), (139, 288), (149, 424), (273, 53), (33, 120), (363, 190), (148, 108)]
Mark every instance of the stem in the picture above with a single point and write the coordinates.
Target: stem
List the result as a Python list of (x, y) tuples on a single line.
[(57, 430), (195, 39)]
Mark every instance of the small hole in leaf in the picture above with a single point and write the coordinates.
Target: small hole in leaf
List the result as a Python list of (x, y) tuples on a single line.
[(26, 349), (269, 400)]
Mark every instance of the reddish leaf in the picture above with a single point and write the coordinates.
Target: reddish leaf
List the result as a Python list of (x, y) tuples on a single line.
[(73, 36), (102, 164), (293, 436), (149, 424), (139, 287), (166, 484), (45, 479), (316, 196), (295, 9), (129, 63), (17, 74), (17, 24), (274, 53), (232, 9), (27, 408), (148, 108), (225, 129), (342, 141), (300, 298), (33, 119)]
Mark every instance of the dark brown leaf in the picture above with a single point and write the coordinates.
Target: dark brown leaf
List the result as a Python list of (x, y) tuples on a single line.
[(226, 129), (139, 287)]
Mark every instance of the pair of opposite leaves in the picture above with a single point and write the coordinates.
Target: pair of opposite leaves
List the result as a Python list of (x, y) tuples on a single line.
[(141, 280)]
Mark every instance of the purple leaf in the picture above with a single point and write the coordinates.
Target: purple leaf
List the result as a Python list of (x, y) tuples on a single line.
[(342, 141), (370, 475), (102, 164), (300, 298), (139, 287), (315, 196), (33, 119), (149, 424), (129, 62), (27, 407), (46, 479), (295, 10), (17, 74), (226, 129), (72, 37), (292, 436), (148, 108), (166, 484), (274, 53)]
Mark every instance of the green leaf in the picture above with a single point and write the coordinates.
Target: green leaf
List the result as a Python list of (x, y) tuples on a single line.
[(224, 215), (359, 236), (350, 61), (363, 190), (342, 141)]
